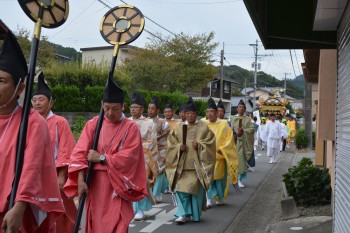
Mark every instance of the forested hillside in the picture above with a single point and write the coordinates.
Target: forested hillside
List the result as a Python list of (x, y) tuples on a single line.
[(295, 87)]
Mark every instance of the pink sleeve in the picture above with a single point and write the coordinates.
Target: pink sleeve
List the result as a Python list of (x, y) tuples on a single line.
[(126, 167), (78, 158), (38, 184), (66, 144)]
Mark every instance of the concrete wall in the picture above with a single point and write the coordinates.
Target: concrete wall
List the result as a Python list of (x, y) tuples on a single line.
[(326, 111), (327, 95)]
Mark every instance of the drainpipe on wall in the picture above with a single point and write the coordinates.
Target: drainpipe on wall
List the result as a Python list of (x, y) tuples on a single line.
[(308, 112)]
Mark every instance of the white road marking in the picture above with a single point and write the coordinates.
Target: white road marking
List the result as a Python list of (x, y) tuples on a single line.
[(160, 219), (148, 214), (160, 205)]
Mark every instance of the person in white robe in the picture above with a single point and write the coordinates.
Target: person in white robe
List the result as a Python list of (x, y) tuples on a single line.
[(272, 137)]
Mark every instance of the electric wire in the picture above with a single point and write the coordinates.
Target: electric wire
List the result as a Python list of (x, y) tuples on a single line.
[(291, 58), (73, 21), (154, 22), (298, 64)]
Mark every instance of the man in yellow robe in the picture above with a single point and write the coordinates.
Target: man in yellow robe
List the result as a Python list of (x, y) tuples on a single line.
[(291, 124), (190, 166), (226, 155), (244, 129)]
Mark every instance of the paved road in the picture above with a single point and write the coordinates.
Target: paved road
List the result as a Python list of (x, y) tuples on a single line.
[(215, 220), (218, 219)]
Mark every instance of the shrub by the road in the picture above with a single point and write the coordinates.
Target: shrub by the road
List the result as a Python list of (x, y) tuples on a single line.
[(308, 184), (301, 139)]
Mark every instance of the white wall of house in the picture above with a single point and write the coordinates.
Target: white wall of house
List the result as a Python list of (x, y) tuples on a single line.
[(103, 55)]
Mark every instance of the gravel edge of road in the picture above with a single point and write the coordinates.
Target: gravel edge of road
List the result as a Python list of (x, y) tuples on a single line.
[(263, 207)]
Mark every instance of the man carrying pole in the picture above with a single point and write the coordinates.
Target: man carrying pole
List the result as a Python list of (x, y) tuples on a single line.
[(244, 129), (62, 141), (37, 197), (149, 142), (190, 164), (119, 167)]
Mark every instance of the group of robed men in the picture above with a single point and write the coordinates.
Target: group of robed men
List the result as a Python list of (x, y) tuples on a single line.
[(192, 158)]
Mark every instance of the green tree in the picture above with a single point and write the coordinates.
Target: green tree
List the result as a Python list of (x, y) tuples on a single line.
[(46, 51), (180, 63)]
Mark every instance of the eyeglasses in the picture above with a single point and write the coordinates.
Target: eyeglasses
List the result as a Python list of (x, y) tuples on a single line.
[(40, 100), (132, 107)]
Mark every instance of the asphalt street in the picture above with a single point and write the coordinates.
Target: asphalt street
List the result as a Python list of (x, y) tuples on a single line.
[(231, 217), (215, 220)]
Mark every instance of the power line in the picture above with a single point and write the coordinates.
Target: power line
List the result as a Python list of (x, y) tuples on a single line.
[(267, 66), (291, 58), (298, 64), (80, 14), (154, 22), (152, 34)]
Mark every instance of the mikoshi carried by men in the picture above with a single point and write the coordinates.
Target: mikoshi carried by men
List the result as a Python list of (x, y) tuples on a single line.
[(38, 192), (226, 156), (149, 142), (162, 129), (62, 141), (190, 164), (119, 171), (244, 129), (273, 136)]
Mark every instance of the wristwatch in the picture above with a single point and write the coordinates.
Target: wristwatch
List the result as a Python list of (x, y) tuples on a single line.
[(103, 159)]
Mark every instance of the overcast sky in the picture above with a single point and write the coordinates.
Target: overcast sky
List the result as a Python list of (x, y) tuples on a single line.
[(228, 19)]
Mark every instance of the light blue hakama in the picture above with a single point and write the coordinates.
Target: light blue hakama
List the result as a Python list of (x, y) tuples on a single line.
[(217, 188), (144, 205), (190, 205), (161, 185)]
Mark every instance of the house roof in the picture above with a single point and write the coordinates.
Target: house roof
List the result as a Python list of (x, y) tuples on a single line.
[(296, 24), (247, 100), (107, 47), (269, 90), (218, 77)]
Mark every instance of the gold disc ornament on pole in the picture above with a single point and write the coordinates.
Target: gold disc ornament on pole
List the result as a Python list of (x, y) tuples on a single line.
[(122, 25), (51, 13)]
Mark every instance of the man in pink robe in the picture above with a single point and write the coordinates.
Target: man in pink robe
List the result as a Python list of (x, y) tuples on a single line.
[(62, 141), (38, 202), (119, 174)]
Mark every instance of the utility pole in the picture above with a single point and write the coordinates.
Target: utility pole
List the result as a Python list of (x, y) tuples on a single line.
[(256, 67), (245, 90), (255, 71), (222, 72), (285, 84)]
